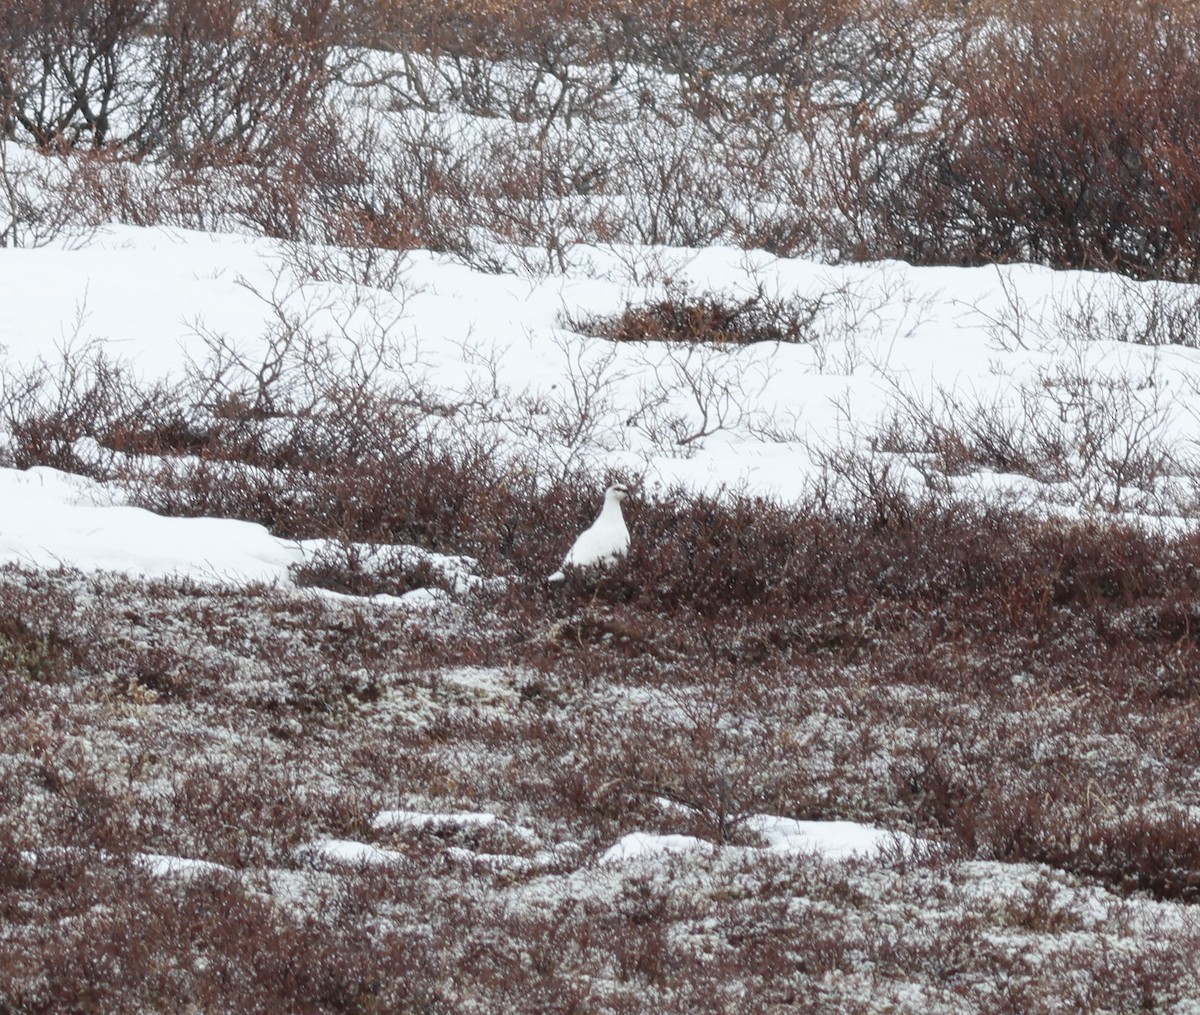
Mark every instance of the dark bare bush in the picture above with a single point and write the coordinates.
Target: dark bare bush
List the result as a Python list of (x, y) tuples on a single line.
[(863, 148), (373, 191), (568, 57), (200, 114), (693, 758), (871, 486), (1152, 850), (361, 571), (773, 47), (1066, 141), (710, 555), (183, 81), (444, 495), (746, 558), (711, 317), (303, 436), (323, 183), (296, 192), (237, 79), (64, 70), (575, 54), (589, 78), (305, 399), (1140, 313), (1055, 816), (56, 413), (214, 815), (106, 186), (673, 190), (35, 646), (534, 195), (130, 950)]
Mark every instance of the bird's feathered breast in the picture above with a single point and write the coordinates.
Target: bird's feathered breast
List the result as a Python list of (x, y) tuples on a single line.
[(607, 539), (603, 541)]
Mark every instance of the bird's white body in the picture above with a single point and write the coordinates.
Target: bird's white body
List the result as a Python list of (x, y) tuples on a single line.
[(604, 541)]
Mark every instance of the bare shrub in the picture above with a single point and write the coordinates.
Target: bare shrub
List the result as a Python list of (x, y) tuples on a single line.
[(545, 62), (1114, 309), (234, 78), (723, 768), (561, 424), (184, 81), (701, 382), (694, 391), (1039, 157), (673, 190), (64, 76), (872, 486), (356, 570), (1103, 438), (56, 413), (417, 186), (859, 324), (868, 145), (710, 317)]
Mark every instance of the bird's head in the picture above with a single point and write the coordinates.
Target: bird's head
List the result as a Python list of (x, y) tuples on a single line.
[(617, 492)]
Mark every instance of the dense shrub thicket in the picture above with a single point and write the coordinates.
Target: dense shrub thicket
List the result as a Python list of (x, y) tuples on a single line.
[(1058, 132)]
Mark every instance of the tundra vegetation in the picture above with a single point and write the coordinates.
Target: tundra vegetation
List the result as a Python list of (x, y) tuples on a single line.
[(303, 797)]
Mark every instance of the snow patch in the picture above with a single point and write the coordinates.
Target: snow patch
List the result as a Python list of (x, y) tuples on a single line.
[(833, 840), (52, 519), (349, 852)]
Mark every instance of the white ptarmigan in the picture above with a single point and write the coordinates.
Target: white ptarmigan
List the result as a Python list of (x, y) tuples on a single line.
[(604, 541)]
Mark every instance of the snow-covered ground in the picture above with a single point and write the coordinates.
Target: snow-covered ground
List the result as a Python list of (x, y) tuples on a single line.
[(1032, 346)]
